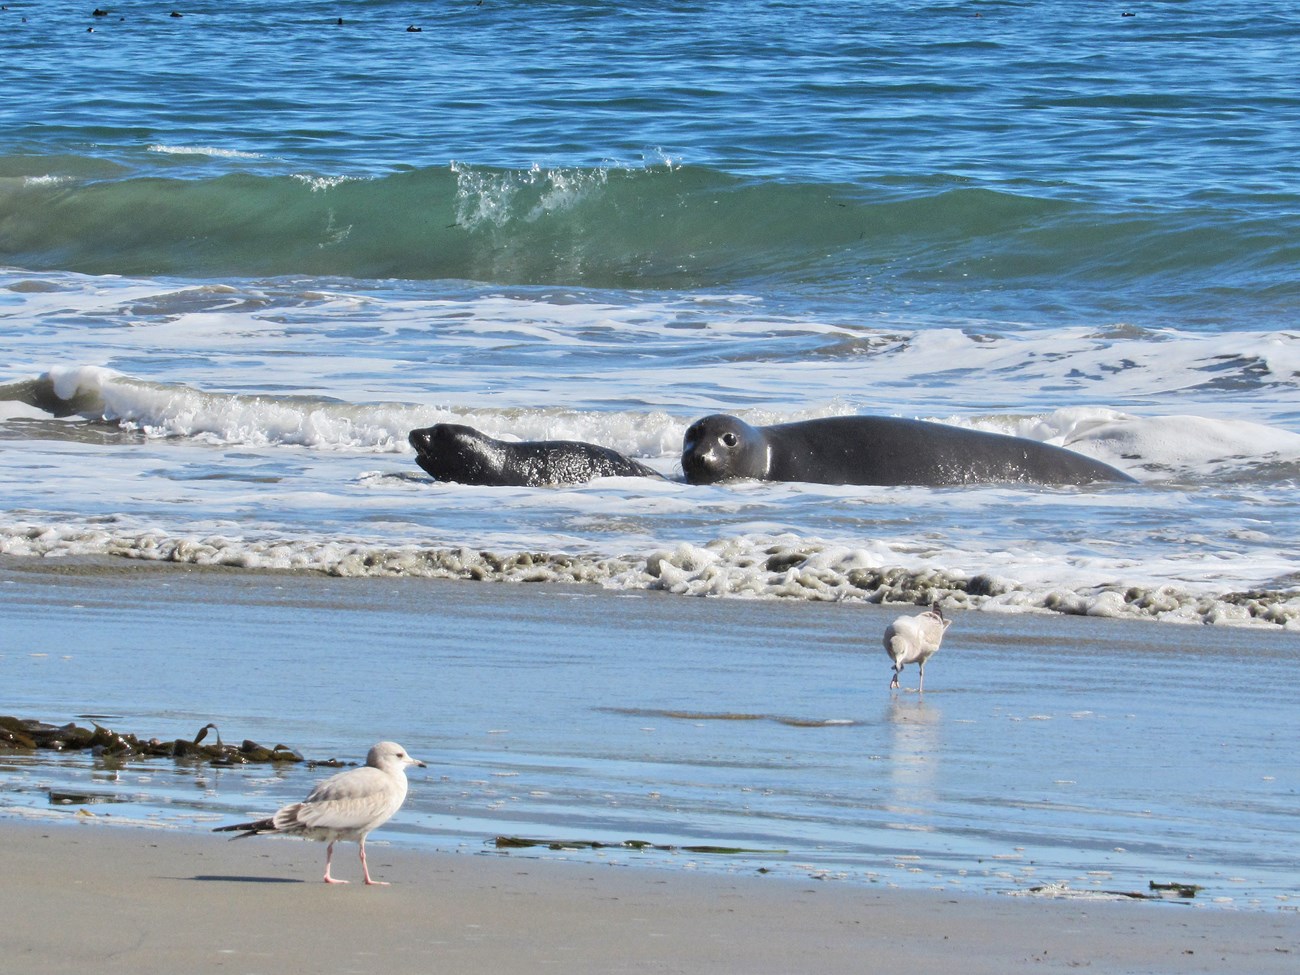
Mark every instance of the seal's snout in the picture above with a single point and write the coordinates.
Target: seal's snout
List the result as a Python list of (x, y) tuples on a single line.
[(699, 463), (442, 437), (421, 440), (452, 452), (700, 466)]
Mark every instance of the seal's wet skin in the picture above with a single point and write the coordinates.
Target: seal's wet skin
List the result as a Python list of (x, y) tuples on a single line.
[(453, 452), (877, 450)]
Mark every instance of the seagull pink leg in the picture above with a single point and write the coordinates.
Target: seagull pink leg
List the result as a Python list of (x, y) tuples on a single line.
[(366, 870), (329, 856)]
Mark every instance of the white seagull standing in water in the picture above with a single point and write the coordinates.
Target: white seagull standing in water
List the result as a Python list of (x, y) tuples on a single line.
[(346, 806), (915, 639)]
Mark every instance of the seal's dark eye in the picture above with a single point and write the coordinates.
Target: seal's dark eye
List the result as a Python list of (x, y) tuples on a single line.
[(729, 439)]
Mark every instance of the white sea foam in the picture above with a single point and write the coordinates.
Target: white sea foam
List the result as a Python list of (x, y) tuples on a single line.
[(697, 353), (1189, 442), (214, 151), (48, 180), (319, 184), (747, 567), (493, 198), (1151, 443)]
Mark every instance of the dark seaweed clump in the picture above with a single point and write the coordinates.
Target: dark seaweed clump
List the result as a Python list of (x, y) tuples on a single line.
[(26, 734)]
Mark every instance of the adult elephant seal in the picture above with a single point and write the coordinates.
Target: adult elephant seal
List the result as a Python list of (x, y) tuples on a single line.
[(877, 450), (451, 452)]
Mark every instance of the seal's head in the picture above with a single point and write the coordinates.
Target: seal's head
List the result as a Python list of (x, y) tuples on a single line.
[(720, 447), (452, 452)]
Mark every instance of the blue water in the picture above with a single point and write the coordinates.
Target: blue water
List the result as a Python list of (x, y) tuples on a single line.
[(244, 251), (1034, 161)]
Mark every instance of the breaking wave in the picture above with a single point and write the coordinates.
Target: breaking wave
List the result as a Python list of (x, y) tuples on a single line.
[(661, 225)]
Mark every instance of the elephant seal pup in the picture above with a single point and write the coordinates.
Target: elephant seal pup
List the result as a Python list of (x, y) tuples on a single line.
[(877, 450), (451, 452)]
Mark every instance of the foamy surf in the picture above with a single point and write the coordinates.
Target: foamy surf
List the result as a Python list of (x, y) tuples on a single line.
[(1152, 445), (745, 568), (264, 424)]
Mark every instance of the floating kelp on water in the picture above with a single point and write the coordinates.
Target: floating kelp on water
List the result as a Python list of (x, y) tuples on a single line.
[(29, 734)]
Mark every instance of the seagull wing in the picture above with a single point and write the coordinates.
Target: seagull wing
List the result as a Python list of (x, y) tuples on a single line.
[(932, 628), (355, 801)]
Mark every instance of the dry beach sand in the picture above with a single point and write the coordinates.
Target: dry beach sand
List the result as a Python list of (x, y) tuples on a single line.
[(91, 898)]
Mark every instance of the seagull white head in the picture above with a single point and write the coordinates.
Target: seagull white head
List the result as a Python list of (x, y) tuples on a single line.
[(389, 755)]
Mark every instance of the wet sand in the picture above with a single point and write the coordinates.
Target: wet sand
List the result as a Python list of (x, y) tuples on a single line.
[(83, 898), (1101, 754)]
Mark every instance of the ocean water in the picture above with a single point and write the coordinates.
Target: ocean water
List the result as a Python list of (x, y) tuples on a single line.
[(244, 251)]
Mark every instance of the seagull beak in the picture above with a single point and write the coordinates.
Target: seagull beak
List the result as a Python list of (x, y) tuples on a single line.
[(415, 761)]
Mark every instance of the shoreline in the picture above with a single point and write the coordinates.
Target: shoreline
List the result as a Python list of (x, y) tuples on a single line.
[(828, 574), (1046, 750), (150, 901)]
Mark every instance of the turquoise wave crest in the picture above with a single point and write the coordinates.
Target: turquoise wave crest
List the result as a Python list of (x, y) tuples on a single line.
[(657, 226)]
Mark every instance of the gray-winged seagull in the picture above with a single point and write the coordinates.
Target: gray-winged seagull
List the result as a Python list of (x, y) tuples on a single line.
[(914, 639), (346, 806)]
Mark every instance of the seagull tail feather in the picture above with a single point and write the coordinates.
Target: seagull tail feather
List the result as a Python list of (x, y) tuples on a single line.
[(249, 829)]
